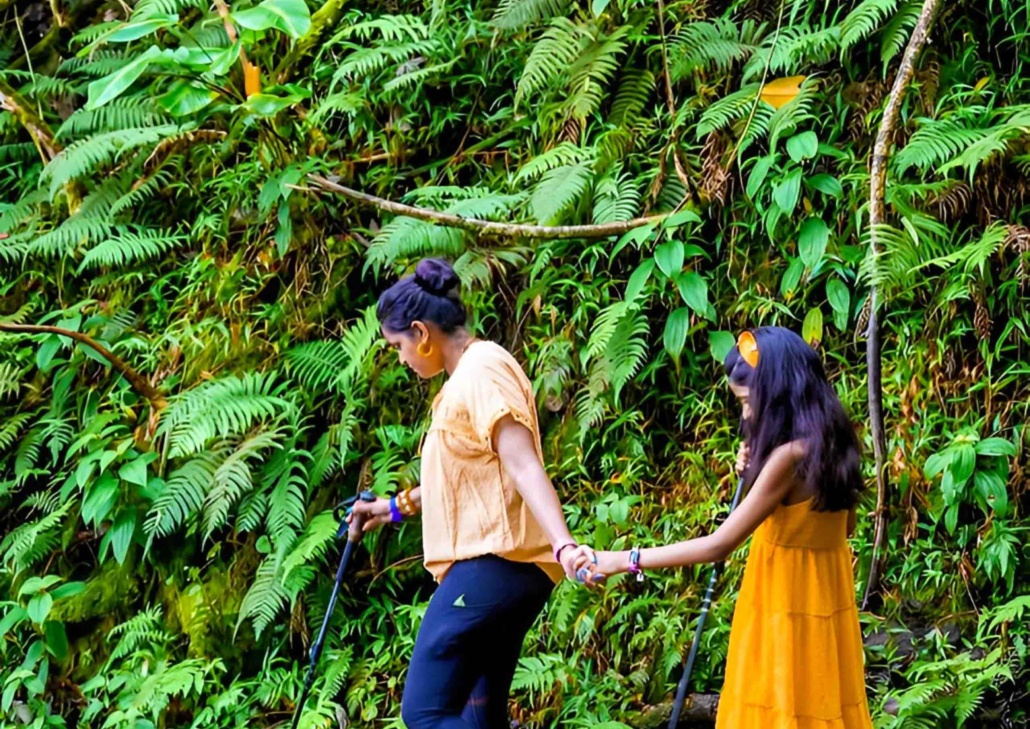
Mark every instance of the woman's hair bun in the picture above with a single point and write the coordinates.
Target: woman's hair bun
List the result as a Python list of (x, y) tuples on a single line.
[(436, 277)]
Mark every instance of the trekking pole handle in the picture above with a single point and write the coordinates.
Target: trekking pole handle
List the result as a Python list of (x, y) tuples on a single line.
[(341, 511)]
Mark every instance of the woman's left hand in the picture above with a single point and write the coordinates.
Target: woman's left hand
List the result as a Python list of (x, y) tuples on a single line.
[(600, 566), (574, 556)]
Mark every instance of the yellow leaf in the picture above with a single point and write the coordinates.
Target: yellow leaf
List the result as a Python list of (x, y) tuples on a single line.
[(251, 79), (981, 83), (778, 92)]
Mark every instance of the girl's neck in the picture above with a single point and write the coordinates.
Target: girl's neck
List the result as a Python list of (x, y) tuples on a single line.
[(454, 347)]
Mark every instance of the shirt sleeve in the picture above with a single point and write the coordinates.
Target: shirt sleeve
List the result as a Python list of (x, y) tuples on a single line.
[(495, 393)]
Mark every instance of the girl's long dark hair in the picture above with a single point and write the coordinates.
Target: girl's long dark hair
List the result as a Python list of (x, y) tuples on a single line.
[(791, 400)]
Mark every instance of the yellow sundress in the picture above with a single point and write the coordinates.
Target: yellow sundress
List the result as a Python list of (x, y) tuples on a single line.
[(795, 656)]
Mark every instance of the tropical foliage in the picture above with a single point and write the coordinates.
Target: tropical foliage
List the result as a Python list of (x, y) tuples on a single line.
[(168, 547)]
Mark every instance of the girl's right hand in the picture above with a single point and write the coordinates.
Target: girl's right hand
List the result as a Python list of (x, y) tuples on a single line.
[(743, 456), (370, 514)]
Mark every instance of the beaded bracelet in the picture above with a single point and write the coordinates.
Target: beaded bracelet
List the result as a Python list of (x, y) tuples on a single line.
[(405, 503)]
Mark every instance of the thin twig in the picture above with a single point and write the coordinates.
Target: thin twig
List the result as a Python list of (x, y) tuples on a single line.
[(877, 183), (140, 383), (484, 227)]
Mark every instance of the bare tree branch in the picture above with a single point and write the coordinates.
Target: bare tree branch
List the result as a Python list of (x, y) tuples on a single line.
[(878, 180), (486, 227), (140, 383)]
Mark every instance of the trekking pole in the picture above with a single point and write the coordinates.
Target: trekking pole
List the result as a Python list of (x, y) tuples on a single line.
[(688, 666), (354, 534)]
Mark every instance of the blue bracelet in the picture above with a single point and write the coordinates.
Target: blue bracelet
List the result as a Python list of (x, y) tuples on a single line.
[(395, 513)]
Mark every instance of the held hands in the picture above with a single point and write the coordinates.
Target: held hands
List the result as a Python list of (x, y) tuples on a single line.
[(601, 566)]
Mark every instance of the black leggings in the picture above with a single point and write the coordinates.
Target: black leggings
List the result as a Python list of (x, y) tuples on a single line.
[(469, 644)]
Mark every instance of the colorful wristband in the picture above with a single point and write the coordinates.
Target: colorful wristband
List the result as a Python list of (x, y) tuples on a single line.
[(634, 564), (395, 513)]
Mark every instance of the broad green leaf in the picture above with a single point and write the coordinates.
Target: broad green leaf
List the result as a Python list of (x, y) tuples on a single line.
[(270, 105), (185, 97), (788, 191), (121, 533), (839, 296), (39, 607), (36, 584), (936, 463), (289, 16), (803, 146), (68, 589), (995, 447), (284, 232), (720, 343), (93, 354), (669, 257), (792, 277), (112, 86), (991, 492), (599, 6), (963, 464), (56, 639), (135, 471), (47, 350), (100, 498), (136, 29), (694, 290), (951, 519), (826, 184), (681, 218), (638, 280), (758, 174), (812, 328), (676, 329), (812, 241), (11, 619)]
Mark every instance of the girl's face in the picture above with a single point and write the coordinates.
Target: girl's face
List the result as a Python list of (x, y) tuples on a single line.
[(743, 394), (416, 350)]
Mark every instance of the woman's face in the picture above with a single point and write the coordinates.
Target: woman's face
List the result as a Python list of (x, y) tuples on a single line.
[(743, 394), (406, 344)]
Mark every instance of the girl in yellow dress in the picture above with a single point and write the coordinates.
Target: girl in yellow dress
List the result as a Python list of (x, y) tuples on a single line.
[(795, 654)]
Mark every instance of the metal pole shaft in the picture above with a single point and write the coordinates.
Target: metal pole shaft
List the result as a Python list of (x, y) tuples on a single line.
[(316, 647), (706, 604)]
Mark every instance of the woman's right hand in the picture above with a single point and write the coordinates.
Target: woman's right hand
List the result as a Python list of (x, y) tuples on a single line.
[(743, 456), (370, 514)]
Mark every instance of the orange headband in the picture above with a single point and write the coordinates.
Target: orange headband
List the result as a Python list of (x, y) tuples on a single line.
[(748, 348)]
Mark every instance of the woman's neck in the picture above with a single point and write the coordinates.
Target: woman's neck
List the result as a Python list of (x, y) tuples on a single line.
[(454, 347)]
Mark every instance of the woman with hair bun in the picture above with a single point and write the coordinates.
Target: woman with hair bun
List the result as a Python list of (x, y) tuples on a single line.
[(494, 535)]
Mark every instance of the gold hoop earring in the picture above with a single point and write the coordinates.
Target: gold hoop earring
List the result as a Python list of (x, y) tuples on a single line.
[(425, 349)]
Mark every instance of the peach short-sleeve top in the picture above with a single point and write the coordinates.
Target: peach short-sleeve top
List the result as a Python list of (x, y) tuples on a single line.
[(470, 506)]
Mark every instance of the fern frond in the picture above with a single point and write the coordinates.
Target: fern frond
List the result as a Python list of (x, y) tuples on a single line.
[(515, 14), (864, 20), (142, 191), (233, 479), (115, 115), (148, 8), (899, 29), (558, 190), (73, 232), (727, 110), (131, 246), (32, 541), (336, 364), (616, 199), (635, 90), (183, 494), (88, 154), (404, 238), (592, 71), (220, 409), (713, 45), (551, 58)]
